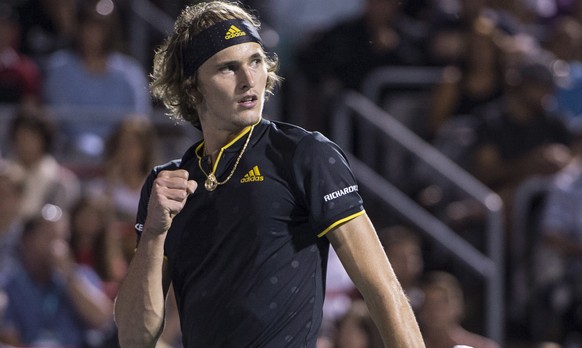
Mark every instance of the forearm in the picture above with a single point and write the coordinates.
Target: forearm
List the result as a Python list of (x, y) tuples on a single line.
[(394, 318), (139, 307)]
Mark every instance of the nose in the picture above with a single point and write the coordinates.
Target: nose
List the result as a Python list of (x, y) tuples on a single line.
[(247, 79)]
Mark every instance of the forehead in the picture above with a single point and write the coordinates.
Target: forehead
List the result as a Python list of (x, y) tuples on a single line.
[(235, 53)]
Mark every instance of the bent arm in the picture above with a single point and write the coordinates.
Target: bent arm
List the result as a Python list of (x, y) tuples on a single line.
[(363, 257), (140, 303)]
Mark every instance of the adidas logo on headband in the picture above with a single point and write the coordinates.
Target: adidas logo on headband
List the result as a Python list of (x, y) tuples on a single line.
[(233, 32)]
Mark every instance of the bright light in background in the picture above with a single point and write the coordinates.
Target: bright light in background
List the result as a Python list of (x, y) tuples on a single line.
[(51, 213), (105, 7)]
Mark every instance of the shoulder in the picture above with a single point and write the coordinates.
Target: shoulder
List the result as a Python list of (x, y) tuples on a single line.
[(297, 145), (28, 65), (125, 63), (297, 136)]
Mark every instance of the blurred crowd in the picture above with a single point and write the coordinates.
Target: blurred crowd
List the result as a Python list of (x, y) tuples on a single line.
[(506, 107)]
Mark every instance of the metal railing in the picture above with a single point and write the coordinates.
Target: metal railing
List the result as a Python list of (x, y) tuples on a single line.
[(357, 111), (145, 18)]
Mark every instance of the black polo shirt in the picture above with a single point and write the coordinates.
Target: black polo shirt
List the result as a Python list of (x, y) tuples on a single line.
[(247, 260)]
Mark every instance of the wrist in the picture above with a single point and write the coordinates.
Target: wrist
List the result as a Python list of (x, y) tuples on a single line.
[(151, 242)]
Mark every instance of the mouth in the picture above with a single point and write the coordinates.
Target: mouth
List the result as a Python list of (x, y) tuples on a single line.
[(248, 101)]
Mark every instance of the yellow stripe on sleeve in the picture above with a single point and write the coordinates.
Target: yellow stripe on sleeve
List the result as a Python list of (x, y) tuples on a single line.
[(339, 222)]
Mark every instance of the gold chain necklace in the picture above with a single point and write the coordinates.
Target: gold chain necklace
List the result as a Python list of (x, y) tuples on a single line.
[(211, 182)]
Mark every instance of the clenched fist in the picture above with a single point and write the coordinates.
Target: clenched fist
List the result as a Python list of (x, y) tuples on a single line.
[(169, 193)]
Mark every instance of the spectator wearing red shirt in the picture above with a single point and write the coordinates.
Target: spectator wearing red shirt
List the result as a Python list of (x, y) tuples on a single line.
[(20, 77)]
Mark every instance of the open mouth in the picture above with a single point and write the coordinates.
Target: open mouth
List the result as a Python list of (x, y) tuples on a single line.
[(248, 99), (248, 102)]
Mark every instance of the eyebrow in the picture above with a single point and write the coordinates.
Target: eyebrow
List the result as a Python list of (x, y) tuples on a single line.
[(236, 62)]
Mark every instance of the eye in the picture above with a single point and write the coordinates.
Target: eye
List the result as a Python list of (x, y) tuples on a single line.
[(227, 68), (256, 61)]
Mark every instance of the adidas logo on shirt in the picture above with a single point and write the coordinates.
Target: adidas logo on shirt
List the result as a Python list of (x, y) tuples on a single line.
[(233, 32), (253, 175)]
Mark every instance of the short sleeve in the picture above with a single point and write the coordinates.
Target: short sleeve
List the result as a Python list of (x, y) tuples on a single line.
[(142, 208), (325, 180)]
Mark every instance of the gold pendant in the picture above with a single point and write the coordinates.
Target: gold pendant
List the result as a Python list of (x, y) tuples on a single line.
[(210, 183)]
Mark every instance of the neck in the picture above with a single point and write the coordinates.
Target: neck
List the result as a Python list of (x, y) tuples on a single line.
[(211, 182), (31, 161), (215, 139), (95, 63)]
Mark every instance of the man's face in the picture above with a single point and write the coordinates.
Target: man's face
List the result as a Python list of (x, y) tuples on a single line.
[(40, 242), (439, 310), (406, 260), (28, 145), (232, 83)]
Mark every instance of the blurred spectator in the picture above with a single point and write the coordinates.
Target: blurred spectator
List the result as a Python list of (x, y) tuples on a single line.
[(32, 136), (94, 243), (404, 250), (47, 25), (520, 136), (11, 192), (95, 73), (565, 42), (441, 314), (466, 44), (52, 301), (561, 247), (356, 329), (576, 10), (348, 51), (94, 76), (20, 79), (130, 153), (344, 55)]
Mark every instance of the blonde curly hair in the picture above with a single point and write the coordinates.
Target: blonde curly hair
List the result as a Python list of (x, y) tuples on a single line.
[(179, 92)]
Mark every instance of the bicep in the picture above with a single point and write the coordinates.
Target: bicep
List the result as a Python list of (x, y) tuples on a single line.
[(361, 253)]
